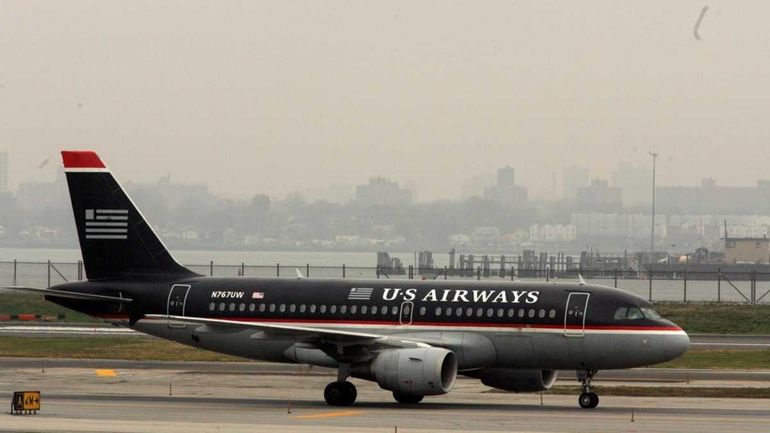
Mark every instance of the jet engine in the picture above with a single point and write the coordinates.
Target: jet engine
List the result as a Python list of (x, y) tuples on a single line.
[(423, 371), (510, 379)]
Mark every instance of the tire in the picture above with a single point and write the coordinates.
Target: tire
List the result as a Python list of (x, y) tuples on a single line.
[(585, 400), (340, 393), (594, 400), (407, 398)]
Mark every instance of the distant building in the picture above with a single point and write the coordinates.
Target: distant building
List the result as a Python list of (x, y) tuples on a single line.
[(599, 197), (476, 185), (44, 195), (636, 184), (552, 233), (3, 172), (382, 192), (505, 191), (573, 178), (747, 250), (710, 198)]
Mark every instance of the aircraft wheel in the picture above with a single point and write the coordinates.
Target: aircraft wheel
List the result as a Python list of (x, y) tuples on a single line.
[(588, 400), (340, 393), (407, 398)]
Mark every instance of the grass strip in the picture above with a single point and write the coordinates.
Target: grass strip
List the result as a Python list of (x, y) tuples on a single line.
[(667, 391)]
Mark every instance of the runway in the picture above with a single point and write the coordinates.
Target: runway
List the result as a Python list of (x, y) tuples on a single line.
[(125, 396)]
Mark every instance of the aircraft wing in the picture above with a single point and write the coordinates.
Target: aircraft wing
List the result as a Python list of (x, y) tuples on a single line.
[(321, 336), (67, 294)]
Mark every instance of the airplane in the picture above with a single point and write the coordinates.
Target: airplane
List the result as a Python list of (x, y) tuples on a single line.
[(412, 337)]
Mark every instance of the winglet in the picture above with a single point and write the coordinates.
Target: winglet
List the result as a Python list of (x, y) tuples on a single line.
[(582, 281), (299, 274)]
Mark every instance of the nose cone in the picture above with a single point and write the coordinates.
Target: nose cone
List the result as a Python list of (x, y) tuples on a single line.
[(676, 344)]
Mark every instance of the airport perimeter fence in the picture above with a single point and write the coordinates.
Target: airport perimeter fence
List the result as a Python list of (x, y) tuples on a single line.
[(718, 286)]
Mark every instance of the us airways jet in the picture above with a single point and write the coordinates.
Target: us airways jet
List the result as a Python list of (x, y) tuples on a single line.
[(411, 337)]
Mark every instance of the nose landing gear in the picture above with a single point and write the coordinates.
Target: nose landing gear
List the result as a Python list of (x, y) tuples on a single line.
[(587, 399)]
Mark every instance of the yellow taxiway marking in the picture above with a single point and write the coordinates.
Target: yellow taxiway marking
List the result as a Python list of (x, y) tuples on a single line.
[(104, 372), (330, 414)]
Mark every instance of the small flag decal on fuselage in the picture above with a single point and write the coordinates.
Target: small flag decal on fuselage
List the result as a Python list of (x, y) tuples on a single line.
[(360, 294), (106, 223), (258, 295)]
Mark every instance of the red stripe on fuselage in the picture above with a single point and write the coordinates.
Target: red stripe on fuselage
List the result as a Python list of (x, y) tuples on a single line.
[(450, 324)]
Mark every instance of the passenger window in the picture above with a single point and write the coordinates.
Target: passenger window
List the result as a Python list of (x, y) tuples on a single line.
[(231, 307), (333, 309), (500, 312), (242, 307), (620, 313), (490, 312), (363, 309), (252, 307), (353, 309), (374, 309), (448, 311), (262, 308), (552, 314), (479, 312), (438, 311), (322, 309), (511, 312), (282, 308), (272, 308), (422, 311), (531, 314), (292, 308), (459, 312), (221, 306), (343, 309), (212, 306), (541, 313), (302, 308), (394, 310), (469, 312), (521, 313), (312, 308)]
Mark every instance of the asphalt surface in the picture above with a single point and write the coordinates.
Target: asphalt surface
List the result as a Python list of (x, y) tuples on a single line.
[(126, 396)]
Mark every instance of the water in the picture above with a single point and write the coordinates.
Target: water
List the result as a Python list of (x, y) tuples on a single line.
[(32, 270)]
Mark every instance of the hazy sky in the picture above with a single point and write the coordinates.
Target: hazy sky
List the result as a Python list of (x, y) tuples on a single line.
[(275, 96)]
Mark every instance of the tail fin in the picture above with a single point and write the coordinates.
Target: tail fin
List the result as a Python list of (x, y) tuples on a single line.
[(115, 239)]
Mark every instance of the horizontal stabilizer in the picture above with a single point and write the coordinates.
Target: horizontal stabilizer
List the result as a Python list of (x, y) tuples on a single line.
[(70, 295)]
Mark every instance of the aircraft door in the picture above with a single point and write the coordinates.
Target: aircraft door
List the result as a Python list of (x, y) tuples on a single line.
[(407, 308), (575, 314), (177, 297)]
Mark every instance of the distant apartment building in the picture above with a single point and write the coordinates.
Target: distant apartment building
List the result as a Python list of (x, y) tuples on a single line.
[(747, 250), (476, 185), (635, 182), (3, 172), (574, 177), (599, 197), (505, 191), (710, 198), (617, 225), (382, 192), (552, 233)]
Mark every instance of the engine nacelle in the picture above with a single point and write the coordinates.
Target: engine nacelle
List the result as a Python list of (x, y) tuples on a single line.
[(510, 379), (424, 371)]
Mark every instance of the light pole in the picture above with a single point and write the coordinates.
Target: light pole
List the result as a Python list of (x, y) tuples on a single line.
[(654, 155)]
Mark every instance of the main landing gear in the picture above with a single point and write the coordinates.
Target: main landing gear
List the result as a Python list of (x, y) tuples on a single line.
[(341, 392), (587, 399)]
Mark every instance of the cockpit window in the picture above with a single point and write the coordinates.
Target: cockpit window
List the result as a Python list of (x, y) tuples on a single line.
[(650, 313), (631, 313), (634, 313)]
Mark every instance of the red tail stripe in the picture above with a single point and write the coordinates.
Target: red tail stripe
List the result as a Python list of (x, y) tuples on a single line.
[(81, 159)]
